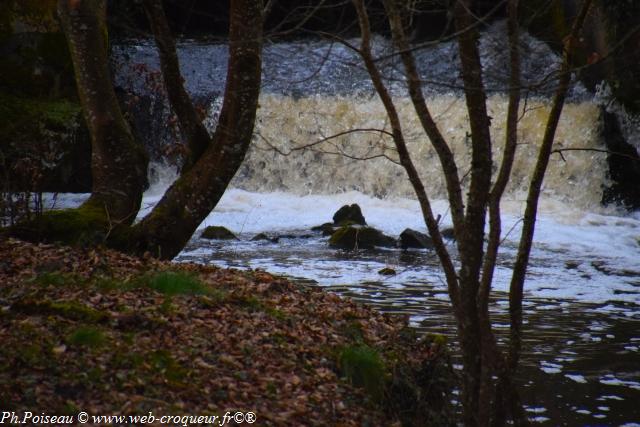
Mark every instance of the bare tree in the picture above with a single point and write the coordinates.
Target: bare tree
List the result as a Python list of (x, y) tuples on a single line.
[(488, 393), (165, 231)]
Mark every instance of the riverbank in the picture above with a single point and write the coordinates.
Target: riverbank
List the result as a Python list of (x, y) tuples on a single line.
[(108, 334)]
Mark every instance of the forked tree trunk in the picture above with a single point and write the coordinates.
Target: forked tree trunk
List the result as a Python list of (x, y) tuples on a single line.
[(489, 396), (165, 231), (118, 162)]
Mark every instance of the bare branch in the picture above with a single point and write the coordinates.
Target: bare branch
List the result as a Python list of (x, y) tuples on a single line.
[(475, 96), (438, 142), (595, 150), (403, 153), (508, 157), (325, 139)]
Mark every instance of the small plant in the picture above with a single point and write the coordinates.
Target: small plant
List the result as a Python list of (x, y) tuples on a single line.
[(163, 363), (177, 283), (105, 283), (87, 336), (54, 279), (364, 367)]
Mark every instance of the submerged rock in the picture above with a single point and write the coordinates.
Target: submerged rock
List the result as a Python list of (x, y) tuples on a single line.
[(264, 236), (295, 236), (414, 239), (349, 215), (216, 232), (355, 237), (387, 271)]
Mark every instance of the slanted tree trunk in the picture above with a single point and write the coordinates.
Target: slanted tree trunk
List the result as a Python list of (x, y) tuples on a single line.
[(118, 162), (193, 130), (165, 231)]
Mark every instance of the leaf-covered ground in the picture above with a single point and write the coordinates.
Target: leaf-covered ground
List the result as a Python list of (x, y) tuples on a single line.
[(101, 332)]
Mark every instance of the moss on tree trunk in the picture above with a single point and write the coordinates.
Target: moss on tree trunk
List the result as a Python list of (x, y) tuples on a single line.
[(118, 164)]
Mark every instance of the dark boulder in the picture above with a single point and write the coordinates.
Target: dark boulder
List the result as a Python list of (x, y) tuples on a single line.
[(264, 236), (624, 167), (349, 215), (327, 228), (387, 271), (218, 233), (414, 239), (355, 237), (295, 235)]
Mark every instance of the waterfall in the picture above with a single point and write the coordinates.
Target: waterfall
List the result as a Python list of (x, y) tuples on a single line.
[(275, 161), (314, 89)]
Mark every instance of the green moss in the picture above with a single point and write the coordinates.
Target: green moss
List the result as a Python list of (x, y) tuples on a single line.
[(55, 278), (18, 113), (105, 283), (275, 313), (163, 363), (437, 339), (176, 283), (363, 367), (341, 234), (85, 226), (32, 354), (87, 336)]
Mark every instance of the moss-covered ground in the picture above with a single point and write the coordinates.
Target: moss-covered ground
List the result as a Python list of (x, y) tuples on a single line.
[(98, 331)]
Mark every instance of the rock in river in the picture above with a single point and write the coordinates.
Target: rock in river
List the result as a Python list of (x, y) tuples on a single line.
[(218, 233), (357, 237), (414, 239), (348, 215)]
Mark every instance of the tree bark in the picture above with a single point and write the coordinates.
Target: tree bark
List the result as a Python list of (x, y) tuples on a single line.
[(165, 231), (475, 340), (535, 188), (196, 135), (118, 163)]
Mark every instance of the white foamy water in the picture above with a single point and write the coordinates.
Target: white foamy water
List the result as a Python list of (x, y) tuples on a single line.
[(347, 126), (577, 255)]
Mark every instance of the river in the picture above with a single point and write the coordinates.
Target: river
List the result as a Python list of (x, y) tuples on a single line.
[(581, 361)]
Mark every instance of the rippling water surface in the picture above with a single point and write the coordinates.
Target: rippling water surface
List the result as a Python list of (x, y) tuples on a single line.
[(581, 361)]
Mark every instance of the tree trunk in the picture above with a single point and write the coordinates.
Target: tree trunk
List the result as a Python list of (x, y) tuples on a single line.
[(165, 231), (196, 135), (118, 163)]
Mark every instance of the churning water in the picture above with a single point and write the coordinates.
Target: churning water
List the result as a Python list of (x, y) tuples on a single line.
[(582, 359)]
